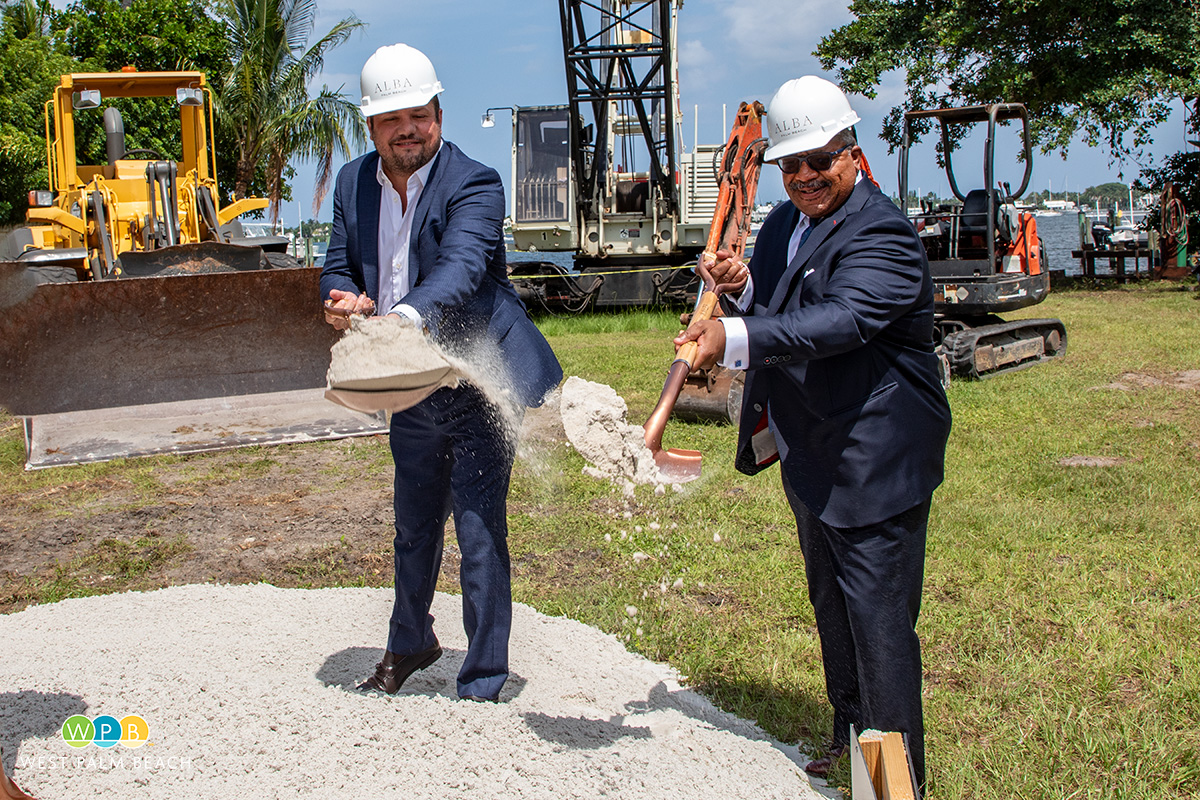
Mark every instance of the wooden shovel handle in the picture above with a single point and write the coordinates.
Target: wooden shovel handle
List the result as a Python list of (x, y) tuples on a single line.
[(704, 311)]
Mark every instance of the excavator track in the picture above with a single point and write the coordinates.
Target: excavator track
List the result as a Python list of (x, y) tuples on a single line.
[(987, 350)]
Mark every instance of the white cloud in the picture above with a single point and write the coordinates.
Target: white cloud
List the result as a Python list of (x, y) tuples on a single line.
[(697, 65), (782, 32)]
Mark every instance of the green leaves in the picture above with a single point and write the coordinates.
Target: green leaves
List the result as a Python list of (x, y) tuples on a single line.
[(1100, 68), (264, 99), (29, 70), (256, 56)]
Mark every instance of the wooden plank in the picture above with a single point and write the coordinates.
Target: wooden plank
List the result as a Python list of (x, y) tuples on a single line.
[(871, 743), (897, 780)]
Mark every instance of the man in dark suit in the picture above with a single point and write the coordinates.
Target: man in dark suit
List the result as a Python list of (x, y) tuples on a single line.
[(417, 232), (842, 386)]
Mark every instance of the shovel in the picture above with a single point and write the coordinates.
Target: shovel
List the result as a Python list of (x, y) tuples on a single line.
[(367, 379), (729, 230), (681, 466)]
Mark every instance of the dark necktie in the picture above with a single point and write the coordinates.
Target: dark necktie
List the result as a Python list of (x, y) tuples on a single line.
[(811, 224)]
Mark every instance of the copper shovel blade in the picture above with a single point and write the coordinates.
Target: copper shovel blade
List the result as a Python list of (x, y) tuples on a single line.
[(679, 466)]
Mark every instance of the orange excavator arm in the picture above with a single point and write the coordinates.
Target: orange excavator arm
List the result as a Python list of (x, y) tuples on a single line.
[(741, 164)]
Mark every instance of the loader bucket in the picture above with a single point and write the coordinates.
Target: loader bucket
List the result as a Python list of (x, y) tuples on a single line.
[(190, 259), (100, 346), (133, 341)]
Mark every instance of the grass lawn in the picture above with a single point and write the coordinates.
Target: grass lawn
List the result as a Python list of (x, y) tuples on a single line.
[(1061, 616)]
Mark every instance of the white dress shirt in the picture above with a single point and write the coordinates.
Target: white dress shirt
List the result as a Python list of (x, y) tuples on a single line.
[(395, 235)]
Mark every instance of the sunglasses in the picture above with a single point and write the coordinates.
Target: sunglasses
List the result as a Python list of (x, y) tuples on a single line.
[(819, 162)]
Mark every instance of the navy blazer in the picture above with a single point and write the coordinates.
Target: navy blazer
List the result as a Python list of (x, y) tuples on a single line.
[(841, 348), (457, 249)]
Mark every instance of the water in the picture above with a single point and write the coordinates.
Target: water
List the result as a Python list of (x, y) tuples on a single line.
[(559, 257), (1059, 234)]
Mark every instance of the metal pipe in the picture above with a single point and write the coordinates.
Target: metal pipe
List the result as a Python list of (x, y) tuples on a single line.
[(114, 135)]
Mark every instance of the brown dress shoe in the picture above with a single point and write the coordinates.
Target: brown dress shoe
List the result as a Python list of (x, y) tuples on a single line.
[(821, 766), (393, 671)]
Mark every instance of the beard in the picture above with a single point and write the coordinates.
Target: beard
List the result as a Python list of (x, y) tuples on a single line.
[(406, 162)]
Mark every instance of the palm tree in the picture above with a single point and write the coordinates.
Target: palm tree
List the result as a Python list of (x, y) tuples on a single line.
[(264, 98), (29, 18)]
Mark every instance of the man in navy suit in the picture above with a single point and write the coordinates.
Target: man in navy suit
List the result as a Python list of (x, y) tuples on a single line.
[(842, 386), (417, 232)]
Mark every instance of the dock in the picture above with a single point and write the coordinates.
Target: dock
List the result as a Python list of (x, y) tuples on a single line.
[(1117, 260)]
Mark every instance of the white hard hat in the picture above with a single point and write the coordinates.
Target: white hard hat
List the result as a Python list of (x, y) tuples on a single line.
[(397, 76), (805, 114)]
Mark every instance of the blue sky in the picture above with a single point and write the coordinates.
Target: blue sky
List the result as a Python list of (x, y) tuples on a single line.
[(490, 53)]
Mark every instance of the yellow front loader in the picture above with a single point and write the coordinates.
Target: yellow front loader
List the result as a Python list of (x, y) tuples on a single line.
[(132, 295)]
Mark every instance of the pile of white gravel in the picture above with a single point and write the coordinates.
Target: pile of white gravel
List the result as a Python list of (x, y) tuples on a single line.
[(247, 691), (596, 422)]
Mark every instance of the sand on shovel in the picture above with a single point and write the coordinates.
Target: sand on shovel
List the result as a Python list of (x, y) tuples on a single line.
[(594, 417), (386, 364)]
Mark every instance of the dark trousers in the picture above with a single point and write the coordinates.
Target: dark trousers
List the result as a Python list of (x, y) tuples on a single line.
[(865, 589), (452, 456)]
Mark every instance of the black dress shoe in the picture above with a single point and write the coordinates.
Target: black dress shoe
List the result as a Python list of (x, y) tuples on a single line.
[(393, 671)]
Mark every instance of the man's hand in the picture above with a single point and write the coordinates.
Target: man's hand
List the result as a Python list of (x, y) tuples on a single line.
[(341, 305), (726, 269), (709, 336)]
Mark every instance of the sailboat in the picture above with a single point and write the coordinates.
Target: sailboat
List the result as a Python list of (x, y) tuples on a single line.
[(1058, 206), (1046, 210)]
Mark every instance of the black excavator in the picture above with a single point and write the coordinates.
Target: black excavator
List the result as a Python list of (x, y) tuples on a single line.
[(984, 255)]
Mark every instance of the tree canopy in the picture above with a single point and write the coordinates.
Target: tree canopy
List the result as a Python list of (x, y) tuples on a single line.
[(1100, 68), (255, 54), (264, 96), (149, 35), (146, 34), (29, 70)]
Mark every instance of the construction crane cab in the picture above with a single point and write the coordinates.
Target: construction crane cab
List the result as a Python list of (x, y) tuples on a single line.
[(603, 176), (984, 253)]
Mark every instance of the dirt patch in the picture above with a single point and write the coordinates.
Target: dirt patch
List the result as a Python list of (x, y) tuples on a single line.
[(1091, 461), (1187, 380), (217, 516), (301, 515)]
